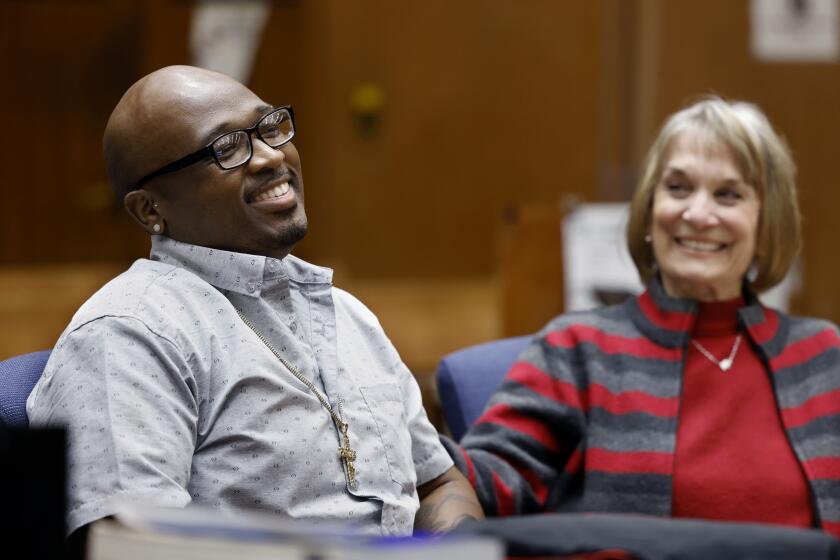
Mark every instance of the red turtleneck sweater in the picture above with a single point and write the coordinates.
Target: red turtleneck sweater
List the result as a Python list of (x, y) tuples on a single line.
[(733, 460)]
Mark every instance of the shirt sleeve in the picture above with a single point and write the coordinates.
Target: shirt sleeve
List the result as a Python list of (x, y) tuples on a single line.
[(527, 445), (430, 457), (125, 395)]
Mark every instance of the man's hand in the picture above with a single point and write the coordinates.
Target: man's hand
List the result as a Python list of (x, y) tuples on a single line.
[(445, 502)]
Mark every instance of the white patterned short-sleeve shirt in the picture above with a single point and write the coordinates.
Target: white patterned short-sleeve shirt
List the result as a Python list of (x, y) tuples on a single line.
[(170, 398)]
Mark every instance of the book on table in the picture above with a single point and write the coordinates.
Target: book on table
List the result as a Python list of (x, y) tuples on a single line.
[(136, 532)]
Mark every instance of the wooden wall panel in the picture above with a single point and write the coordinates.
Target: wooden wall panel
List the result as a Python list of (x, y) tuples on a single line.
[(488, 104), (66, 65), (531, 269), (40, 299)]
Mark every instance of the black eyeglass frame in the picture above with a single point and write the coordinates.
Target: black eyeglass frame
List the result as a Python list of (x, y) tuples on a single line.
[(207, 151)]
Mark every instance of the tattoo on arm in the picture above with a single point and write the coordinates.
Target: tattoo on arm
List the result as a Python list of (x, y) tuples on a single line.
[(433, 516)]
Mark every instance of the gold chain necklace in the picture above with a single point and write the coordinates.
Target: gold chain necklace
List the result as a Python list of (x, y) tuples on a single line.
[(345, 452), (725, 363)]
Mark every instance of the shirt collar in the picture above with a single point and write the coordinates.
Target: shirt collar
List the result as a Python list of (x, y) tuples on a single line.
[(236, 272)]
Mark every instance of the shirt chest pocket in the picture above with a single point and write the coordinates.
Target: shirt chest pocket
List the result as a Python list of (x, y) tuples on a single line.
[(385, 404)]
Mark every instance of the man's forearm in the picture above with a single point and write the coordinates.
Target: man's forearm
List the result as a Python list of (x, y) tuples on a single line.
[(445, 502)]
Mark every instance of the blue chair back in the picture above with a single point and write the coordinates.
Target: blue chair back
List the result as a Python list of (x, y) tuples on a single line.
[(17, 377), (468, 377)]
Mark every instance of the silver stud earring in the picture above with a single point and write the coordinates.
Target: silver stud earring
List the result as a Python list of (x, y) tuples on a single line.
[(648, 239), (156, 228), (752, 271)]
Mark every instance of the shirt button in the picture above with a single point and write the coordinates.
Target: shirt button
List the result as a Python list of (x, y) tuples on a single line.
[(251, 286), (293, 326), (272, 266)]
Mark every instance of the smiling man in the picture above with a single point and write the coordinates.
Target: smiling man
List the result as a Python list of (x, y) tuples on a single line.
[(222, 370)]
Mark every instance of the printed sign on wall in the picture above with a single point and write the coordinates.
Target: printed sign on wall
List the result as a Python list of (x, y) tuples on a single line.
[(795, 30)]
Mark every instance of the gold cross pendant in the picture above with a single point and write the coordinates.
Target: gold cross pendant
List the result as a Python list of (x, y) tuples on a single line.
[(348, 455)]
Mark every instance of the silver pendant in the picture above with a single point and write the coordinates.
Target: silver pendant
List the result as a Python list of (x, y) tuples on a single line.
[(725, 363)]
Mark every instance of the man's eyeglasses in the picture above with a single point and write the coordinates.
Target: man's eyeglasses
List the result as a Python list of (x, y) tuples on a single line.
[(235, 148)]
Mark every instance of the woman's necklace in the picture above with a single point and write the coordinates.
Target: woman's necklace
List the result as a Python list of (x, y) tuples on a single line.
[(347, 454), (725, 363)]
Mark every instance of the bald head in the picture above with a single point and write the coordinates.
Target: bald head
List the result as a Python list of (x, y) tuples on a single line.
[(160, 118), (175, 113)]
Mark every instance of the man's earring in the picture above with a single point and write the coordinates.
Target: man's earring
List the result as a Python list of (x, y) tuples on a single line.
[(156, 228), (648, 239)]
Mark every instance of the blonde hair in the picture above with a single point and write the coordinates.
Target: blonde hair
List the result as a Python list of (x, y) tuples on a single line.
[(765, 162)]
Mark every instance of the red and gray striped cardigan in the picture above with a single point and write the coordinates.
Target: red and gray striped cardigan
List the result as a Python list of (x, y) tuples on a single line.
[(586, 419)]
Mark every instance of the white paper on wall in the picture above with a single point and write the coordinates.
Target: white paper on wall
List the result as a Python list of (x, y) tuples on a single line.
[(597, 267), (794, 30), (225, 35)]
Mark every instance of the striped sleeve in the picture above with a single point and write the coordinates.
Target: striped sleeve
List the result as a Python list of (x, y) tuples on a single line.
[(525, 443)]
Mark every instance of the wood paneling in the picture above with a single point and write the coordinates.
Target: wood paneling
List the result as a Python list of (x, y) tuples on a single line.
[(531, 270), (488, 104), (427, 318), (66, 65), (39, 300)]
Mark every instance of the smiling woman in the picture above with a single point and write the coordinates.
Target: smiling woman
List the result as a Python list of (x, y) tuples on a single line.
[(703, 222), (693, 399), (726, 154)]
